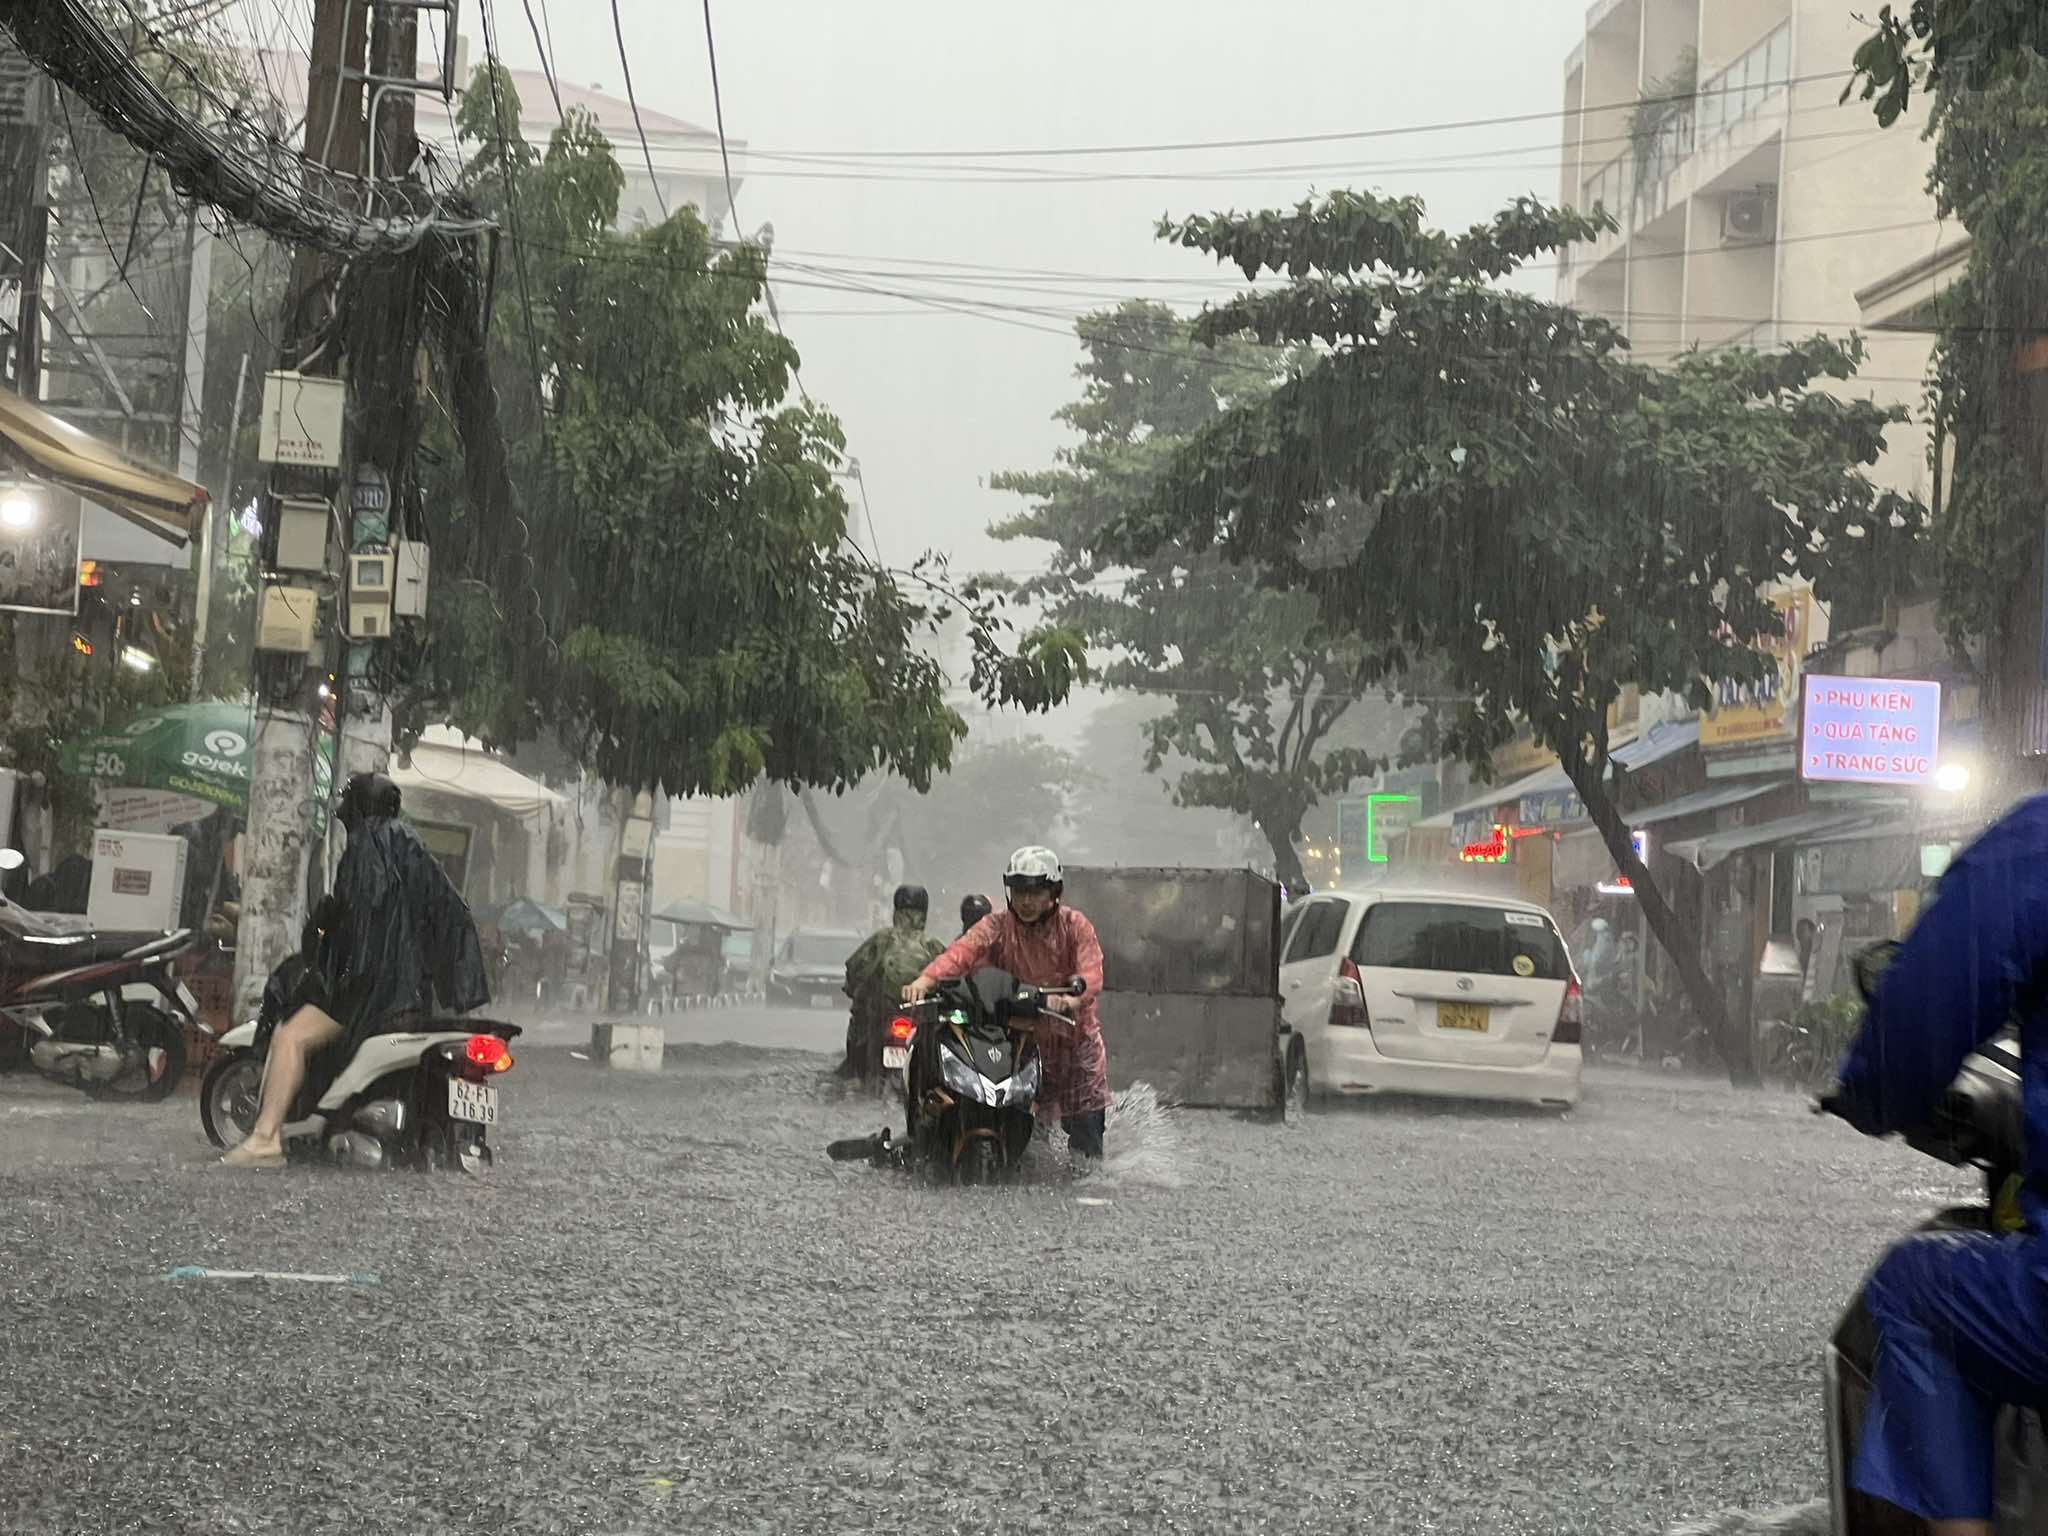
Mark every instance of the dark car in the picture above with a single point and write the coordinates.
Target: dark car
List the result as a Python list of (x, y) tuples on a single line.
[(811, 965)]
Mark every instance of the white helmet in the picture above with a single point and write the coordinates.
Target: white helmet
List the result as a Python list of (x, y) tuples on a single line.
[(1033, 866)]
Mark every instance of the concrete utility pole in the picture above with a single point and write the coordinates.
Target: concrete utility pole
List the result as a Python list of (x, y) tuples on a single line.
[(281, 815)]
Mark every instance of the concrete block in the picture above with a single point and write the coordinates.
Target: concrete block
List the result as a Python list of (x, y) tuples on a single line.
[(628, 1047)]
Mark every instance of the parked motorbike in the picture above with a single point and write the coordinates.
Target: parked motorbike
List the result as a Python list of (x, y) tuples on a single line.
[(101, 1012), (422, 1100), (1979, 1124), (970, 1079)]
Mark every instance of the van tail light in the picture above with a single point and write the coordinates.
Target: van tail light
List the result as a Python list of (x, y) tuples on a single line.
[(489, 1053), (1347, 1007), (1571, 1017), (900, 1030)]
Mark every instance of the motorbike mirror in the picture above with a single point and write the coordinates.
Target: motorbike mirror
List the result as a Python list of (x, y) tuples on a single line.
[(1869, 965), (1078, 986), (11, 859)]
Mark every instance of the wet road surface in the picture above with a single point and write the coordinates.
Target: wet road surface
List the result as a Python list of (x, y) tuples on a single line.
[(666, 1311)]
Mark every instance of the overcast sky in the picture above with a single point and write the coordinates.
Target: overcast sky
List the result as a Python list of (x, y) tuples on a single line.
[(933, 401)]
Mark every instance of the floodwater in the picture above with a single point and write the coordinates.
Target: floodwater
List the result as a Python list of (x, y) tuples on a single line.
[(666, 1310)]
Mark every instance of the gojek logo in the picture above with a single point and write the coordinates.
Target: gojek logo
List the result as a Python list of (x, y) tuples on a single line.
[(226, 743)]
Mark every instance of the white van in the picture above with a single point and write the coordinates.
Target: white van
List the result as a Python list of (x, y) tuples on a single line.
[(1394, 990)]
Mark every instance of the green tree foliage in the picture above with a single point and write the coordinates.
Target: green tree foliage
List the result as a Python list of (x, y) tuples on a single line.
[(1487, 479), (1991, 173), (1257, 681), (1927, 44), (706, 621)]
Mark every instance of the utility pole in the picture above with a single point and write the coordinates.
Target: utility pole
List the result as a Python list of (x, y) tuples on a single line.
[(281, 814)]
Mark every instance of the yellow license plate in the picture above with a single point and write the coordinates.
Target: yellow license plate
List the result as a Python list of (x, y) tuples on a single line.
[(1467, 1016)]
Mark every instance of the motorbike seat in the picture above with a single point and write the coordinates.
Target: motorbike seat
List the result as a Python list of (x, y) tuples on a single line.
[(56, 952)]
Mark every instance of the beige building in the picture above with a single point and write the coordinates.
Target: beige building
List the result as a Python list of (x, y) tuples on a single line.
[(1756, 207)]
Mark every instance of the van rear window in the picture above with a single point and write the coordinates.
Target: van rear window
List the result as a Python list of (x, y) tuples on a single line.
[(1449, 936)]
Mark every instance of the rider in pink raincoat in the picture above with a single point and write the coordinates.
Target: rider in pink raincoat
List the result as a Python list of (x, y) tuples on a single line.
[(1041, 942)]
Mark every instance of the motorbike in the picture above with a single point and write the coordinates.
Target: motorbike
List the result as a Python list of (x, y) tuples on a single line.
[(970, 1076), (101, 1012), (422, 1099), (1979, 1124)]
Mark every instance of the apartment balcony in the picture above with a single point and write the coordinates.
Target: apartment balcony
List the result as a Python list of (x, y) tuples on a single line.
[(1728, 137)]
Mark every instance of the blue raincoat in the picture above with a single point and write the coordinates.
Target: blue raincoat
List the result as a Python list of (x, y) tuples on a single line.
[(1962, 1319)]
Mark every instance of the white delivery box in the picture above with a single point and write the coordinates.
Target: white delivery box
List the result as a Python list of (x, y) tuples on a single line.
[(138, 881)]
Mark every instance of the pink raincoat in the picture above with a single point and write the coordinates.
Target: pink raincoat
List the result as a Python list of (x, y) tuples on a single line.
[(1049, 953)]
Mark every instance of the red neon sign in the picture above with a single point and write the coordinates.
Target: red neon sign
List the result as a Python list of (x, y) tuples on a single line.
[(1495, 849)]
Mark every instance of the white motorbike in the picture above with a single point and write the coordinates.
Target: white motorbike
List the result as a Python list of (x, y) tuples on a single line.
[(422, 1100)]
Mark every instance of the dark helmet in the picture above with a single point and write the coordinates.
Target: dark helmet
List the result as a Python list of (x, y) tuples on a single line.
[(911, 898), (973, 909), (367, 795)]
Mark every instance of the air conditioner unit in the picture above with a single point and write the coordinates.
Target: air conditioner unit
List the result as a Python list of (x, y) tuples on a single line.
[(1750, 218)]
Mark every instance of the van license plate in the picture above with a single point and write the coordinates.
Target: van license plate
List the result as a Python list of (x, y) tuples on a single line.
[(1466, 1016), (475, 1102)]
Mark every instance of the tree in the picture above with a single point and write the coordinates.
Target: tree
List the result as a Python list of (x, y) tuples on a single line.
[(1975, 44), (678, 602), (1134, 818), (1256, 681), (1487, 479)]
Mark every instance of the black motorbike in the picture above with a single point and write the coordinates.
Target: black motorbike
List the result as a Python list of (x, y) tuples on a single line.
[(101, 1012), (1979, 1124), (971, 1077)]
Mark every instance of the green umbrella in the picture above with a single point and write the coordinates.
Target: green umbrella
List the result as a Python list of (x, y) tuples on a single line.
[(202, 750)]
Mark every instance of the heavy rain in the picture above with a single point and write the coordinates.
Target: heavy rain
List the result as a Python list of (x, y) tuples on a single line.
[(1146, 768)]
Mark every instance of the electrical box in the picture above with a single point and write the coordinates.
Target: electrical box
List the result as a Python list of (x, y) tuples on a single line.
[(302, 534), (409, 597), (369, 595), (287, 620), (138, 881)]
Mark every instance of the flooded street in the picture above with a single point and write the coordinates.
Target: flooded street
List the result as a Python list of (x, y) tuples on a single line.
[(667, 1311)]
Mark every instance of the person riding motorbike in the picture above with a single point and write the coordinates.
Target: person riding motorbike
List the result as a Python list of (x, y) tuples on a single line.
[(1042, 942), (875, 974), (972, 910), (398, 935), (1961, 1318)]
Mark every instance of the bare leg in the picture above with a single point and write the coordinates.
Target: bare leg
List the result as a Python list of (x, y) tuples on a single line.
[(1961, 1527), (296, 1042)]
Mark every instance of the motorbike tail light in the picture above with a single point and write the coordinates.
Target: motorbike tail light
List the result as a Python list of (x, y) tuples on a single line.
[(1571, 1017), (901, 1029), (1347, 1005), (488, 1052)]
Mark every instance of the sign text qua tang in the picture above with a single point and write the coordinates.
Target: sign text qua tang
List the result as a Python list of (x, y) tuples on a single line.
[(1869, 730)]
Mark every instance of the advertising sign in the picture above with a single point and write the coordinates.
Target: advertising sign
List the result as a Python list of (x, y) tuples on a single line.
[(1552, 808), (1870, 730), (1761, 712)]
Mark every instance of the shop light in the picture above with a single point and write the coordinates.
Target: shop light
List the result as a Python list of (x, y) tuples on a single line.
[(17, 512), (1618, 886), (1952, 778), (137, 659)]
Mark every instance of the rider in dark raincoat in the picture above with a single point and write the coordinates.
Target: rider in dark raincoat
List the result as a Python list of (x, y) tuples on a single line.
[(1962, 1318), (395, 935), (876, 974)]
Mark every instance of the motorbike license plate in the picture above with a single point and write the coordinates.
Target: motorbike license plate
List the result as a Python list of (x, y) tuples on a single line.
[(1465, 1016), (475, 1102), (895, 1056)]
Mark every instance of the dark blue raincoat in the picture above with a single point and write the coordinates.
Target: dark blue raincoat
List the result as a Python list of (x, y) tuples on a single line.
[(1962, 1318)]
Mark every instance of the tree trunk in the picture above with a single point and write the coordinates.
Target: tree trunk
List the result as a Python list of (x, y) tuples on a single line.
[(1286, 862), (1731, 1038)]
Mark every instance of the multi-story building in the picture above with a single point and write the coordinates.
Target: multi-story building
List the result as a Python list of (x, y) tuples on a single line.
[(1755, 205)]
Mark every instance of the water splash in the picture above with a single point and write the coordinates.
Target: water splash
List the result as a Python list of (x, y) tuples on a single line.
[(1142, 1143)]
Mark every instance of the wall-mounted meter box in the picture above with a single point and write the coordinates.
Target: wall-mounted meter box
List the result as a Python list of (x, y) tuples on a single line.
[(302, 524), (286, 620), (409, 598), (369, 595)]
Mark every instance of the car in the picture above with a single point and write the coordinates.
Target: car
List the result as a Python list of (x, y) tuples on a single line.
[(811, 965), (1418, 991)]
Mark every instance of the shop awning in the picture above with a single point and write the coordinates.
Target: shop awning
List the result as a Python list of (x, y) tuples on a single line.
[(1703, 853), (1660, 742), (1701, 801), (43, 445), (448, 763), (701, 914)]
